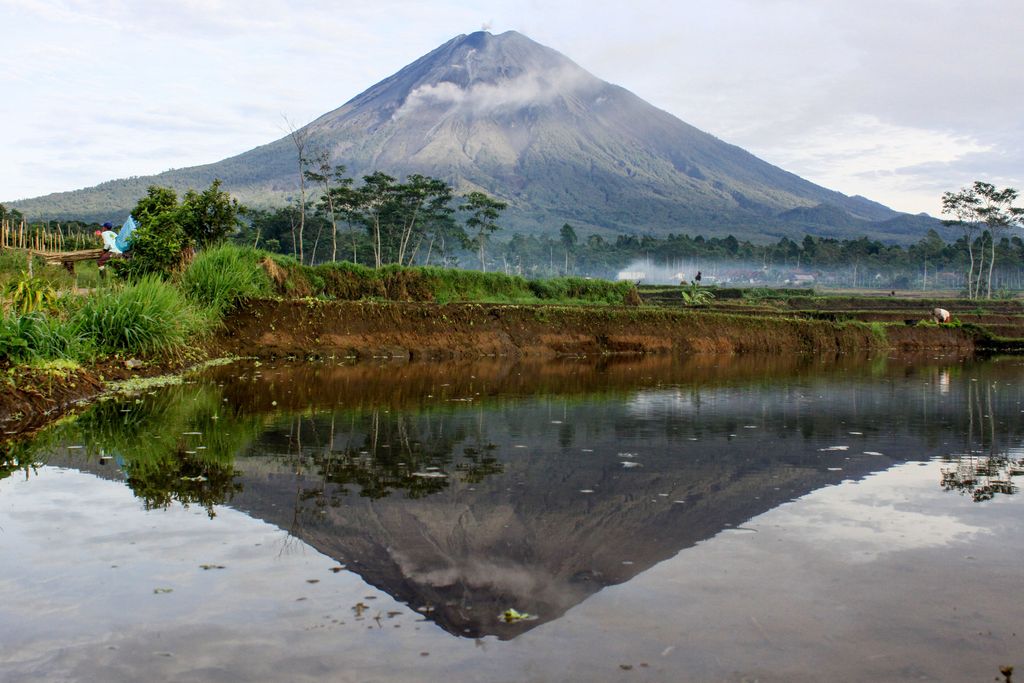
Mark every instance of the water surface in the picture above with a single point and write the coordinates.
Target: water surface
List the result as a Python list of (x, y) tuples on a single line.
[(711, 519)]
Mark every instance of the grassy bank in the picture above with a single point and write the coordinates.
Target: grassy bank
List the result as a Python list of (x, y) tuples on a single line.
[(351, 282), (46, 320)]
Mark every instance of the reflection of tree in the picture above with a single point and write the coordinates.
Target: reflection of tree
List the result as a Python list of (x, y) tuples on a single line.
[(379, 452), (984, 470), (983, 476), (18, 457), (184, 476), (172, 445)]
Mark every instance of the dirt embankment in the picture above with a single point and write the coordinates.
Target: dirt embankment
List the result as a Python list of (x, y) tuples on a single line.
[(36, 397), (460, 331), (421, 330)]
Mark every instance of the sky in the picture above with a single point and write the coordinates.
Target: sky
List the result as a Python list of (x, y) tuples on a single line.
[(895, 100)]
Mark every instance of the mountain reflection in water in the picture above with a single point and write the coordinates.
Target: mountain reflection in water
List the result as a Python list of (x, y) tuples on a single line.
[(466, 489)]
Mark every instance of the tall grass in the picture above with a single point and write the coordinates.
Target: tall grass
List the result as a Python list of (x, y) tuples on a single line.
[(39, 335), (222, 276), (148, 317)]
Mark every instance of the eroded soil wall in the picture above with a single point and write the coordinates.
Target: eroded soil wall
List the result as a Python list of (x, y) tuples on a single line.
[(418, 330)]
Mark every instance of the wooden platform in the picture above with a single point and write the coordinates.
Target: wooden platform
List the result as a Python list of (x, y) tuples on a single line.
[(62, 258)]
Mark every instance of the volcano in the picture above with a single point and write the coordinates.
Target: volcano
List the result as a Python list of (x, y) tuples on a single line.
[(522, 122)]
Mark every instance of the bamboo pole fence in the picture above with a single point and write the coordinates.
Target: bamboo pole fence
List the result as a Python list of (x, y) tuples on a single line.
[(52, 243)]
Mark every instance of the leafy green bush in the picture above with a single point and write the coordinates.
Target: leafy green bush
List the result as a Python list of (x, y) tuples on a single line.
[(157, 247), (149, 316), (222, 276)]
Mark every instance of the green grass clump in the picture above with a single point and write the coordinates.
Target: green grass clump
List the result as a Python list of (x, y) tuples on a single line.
[(39, 335), (567, 289), (147, 317), (450, 284), (222, 276)]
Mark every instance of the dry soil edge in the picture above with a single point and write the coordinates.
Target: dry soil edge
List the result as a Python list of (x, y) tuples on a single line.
[(423, 330)]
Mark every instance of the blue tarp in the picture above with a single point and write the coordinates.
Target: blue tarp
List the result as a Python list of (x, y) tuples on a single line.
[(124, 235)]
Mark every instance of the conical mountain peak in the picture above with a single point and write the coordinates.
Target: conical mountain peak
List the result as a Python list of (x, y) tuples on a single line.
[(475, 73), (523, 122)]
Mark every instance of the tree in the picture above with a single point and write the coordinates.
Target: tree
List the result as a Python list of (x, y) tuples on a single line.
[(376, 201), (157, 201), (569, 240), (209, 216), (422, 200), (327, 206), (300, 138), (484, 212), (167, 231), (977, 207)]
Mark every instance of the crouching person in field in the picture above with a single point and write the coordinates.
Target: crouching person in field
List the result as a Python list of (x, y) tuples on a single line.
[(940, 315)]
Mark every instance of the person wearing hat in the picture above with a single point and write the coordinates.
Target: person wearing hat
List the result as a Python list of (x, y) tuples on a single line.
[(109, 245)]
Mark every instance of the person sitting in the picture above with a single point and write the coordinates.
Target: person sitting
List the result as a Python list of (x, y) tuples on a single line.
[(110, 249)]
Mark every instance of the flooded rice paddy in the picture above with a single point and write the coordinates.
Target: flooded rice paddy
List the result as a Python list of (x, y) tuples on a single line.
[(631, 520)]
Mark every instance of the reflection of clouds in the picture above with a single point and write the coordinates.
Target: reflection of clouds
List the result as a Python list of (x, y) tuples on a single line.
[(81, 556), (860, 521), (662, 401), (506, 577)]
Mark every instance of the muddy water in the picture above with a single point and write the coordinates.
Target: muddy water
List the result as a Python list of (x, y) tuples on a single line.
[(705, 520)]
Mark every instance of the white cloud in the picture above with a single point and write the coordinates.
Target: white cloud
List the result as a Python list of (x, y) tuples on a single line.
[(485, 97), (862, 154)]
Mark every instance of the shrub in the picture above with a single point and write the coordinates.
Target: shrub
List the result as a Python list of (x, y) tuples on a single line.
[(146, 317), (222, 276), (157, 246), (695, 295), (30, 294)]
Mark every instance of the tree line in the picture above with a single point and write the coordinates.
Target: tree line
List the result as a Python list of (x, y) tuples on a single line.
[(379, 221), (420, 221)]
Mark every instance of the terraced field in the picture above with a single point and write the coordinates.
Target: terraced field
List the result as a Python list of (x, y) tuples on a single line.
[(1001, 318)]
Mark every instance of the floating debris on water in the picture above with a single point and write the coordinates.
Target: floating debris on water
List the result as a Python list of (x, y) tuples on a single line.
[(430, 475), (629, 464), (872, 453), (511, 616), (835, 448), (208, 567)]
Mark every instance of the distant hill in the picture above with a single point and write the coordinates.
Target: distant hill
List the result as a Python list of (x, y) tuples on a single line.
[(520, 121)]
